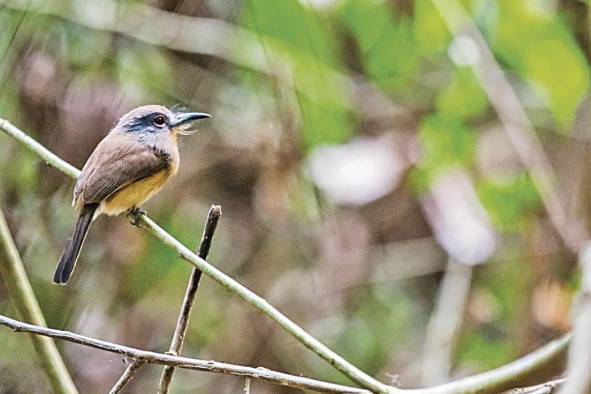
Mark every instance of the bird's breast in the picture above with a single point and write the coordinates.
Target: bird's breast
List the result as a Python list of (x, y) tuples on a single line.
[(136, 193)]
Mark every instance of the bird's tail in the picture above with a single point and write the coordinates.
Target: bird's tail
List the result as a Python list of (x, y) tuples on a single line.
[(70, 255)]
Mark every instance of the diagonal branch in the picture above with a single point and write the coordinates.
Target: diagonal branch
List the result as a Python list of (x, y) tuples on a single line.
[(215, 212), (544, 388), (23, 297), (490, 382), (144, 356), (230, 284)]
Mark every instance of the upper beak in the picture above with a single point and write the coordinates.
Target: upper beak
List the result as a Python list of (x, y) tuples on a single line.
[(186, 118)]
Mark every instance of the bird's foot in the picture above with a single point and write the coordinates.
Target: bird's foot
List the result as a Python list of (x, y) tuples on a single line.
[(135, 214)]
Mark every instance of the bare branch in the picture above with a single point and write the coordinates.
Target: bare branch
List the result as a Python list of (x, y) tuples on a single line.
[(215, 212), (230, 284), (278, 378), (544, 388), (128, 374), (21, 293), (505, 377)]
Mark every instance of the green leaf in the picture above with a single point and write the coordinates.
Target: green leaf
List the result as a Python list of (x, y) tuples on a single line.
[(431, 35), (446, 143), (510, 202), (463, 98)]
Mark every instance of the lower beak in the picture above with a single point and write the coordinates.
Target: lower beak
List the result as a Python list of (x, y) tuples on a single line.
[(185, 119)]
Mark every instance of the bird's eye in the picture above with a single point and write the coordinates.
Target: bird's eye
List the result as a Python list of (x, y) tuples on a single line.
[(160, 120)]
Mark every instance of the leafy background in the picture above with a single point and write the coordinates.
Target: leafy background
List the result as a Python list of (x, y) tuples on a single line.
[(352, 158)]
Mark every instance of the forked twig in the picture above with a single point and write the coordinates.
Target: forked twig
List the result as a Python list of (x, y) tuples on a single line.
[(213, 217)]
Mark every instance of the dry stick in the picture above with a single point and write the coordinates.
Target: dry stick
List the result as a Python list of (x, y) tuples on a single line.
[(127, 376), (274, 377), (490, 382), (215, 212), (338, 362), (531, 152), (23, 297)]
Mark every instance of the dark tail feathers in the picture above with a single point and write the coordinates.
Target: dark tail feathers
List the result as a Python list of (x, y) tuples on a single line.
[(70, 255)]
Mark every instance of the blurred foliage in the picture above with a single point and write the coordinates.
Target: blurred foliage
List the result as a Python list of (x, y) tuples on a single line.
[(530, 37), (362, 277)]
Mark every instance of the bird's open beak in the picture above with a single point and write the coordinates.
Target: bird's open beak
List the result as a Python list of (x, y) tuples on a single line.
[(184, 120)]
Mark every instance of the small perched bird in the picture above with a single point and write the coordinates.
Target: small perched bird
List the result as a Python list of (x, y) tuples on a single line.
[(127, 167)]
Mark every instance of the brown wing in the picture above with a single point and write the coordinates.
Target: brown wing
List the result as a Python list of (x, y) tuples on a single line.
[(116, 162)]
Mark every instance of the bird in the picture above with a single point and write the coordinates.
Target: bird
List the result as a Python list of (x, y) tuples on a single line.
[(131, 164)]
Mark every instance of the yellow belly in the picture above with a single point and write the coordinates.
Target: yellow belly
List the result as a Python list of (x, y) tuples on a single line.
[(134, 194)]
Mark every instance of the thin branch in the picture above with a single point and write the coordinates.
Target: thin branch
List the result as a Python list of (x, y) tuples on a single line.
[(505, 377), (493, 381), (273, 377), (215, 212), (23, 297), (230, 284), (544, 388), (128, 374)]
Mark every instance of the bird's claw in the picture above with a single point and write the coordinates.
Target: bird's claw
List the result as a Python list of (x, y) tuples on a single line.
[(135, 214)]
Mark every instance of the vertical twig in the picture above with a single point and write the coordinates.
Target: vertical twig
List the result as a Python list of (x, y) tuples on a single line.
[(23, 297), (445, 322), (247, 386), (127, 376), (215, 212)]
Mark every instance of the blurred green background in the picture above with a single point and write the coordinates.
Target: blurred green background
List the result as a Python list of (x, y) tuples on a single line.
[(354, 153)]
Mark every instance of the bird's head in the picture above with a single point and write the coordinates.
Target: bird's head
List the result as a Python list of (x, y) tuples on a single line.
[(153, 119)]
